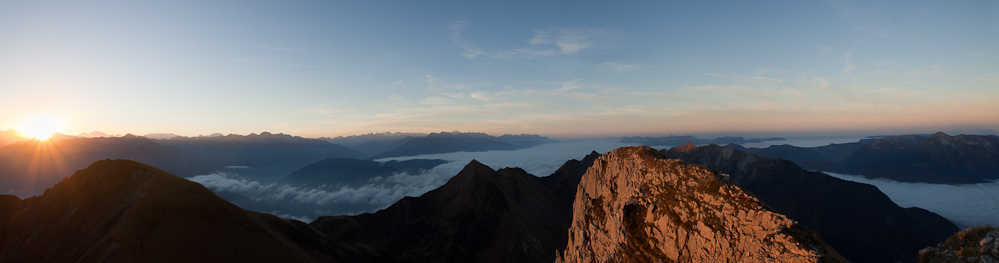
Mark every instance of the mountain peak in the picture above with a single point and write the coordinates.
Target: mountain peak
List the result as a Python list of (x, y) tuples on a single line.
[(475, 166), (686, 147)]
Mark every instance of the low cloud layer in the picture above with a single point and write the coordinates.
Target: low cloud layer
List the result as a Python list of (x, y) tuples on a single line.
[(965, 205), (307, 203)]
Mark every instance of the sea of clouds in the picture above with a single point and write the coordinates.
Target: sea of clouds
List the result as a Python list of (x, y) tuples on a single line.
[(308, 202), (965, 205)]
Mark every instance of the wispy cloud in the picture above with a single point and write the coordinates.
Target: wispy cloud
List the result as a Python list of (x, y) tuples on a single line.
[(768, 79), (620, 67), (544, 43), (569, 85), (562, 41)]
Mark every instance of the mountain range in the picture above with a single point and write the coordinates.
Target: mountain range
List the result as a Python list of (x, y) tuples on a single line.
[(674, 140), (446, 142), (264, 154), (133, 212), (936, 158)]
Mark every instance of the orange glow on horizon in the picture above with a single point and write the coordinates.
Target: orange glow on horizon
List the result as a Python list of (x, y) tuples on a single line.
[(40, 127)]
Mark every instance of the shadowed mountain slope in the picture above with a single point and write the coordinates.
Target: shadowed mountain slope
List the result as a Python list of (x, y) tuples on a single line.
[(125, 211), (936, 158), (480, 215), (860, 221)]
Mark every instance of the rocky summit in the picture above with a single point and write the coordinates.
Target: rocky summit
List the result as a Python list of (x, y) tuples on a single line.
[(633, 205)]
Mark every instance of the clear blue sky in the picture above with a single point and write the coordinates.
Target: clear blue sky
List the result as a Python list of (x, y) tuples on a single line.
[(557, 68)]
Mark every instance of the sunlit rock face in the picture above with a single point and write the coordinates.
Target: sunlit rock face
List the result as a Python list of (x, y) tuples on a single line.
[(634, 206)]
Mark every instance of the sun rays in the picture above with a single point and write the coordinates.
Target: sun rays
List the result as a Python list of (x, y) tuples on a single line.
[(40, 127)]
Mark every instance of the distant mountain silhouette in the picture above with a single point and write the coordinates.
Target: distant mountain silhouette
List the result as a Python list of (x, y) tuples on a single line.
[(267, 155), (125, 211), (94, 134), (161, 136), (9, 136), (374, 143), (446, 142), (28, 167), (674, 140), (356, 172), (936, 158), (860, 221)]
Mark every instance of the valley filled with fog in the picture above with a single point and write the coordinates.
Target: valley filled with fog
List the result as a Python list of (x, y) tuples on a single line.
[(965, 205), (309, 202)]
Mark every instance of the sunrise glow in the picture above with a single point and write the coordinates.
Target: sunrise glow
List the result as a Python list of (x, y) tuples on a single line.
[(40, 127)]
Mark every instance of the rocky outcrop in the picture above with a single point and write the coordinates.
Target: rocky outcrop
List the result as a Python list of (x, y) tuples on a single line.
[(634, 206), (975, 244), (125, 211), (860, 221)]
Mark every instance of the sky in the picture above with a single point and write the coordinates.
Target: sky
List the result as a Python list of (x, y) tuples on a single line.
[(555, 68)]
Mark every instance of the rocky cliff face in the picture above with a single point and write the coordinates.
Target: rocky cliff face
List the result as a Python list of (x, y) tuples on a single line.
[(857, 219), (634, 206)]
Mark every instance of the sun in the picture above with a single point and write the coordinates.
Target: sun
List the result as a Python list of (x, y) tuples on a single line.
[(40, 127)]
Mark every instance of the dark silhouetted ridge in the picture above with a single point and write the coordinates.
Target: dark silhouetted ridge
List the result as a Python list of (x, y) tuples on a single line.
[(479, 215), (33, 166), (125, 211)]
